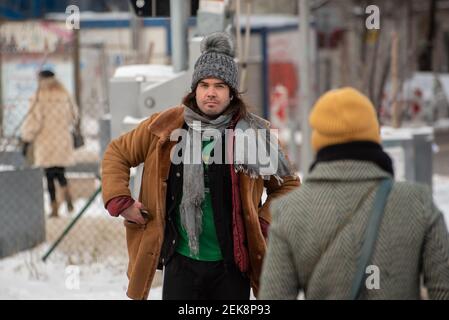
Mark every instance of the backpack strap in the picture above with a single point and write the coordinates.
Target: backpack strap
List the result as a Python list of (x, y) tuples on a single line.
[(371, 233)]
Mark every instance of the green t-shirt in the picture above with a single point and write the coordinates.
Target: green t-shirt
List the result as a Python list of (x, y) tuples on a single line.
[(209, 248)]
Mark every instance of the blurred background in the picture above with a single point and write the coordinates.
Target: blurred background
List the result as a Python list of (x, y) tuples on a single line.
[(121, 61)]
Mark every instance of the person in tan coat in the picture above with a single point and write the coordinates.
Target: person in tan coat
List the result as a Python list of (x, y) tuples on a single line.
[(47, 125), (203, 222)]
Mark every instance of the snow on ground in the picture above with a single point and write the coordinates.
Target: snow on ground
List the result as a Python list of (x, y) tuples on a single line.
[(25, 276)]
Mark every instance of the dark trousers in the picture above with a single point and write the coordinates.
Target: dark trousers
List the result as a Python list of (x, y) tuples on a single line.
[(188, 279), (52, 174)]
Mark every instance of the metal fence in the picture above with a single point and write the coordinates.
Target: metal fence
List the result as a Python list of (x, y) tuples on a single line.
[(87, 237), (84, 236)]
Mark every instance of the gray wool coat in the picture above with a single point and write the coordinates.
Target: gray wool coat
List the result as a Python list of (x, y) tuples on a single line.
[(316, 236)]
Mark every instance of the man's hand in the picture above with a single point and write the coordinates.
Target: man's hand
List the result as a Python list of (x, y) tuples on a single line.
[(134, 214)]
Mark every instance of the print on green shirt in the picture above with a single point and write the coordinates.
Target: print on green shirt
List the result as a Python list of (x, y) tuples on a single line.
[(209, 248)]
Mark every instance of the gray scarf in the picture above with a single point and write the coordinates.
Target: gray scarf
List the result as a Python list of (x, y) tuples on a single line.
[(245, 160)]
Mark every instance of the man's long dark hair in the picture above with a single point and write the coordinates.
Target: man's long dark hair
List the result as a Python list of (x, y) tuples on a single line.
[(237, 106)]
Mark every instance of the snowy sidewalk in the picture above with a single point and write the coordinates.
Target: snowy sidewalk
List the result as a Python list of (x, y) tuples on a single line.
[(25, 276)]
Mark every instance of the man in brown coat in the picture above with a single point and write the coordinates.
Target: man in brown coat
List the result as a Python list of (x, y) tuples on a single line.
[(202, 221)]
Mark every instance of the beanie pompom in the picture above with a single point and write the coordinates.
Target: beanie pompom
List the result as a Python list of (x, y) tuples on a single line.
[(219, 42)]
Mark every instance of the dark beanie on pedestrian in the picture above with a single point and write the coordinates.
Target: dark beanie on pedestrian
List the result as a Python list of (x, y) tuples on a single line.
[(216, 61), (46, 74)]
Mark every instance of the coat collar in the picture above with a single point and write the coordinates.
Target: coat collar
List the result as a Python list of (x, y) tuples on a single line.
[(167, 121), (347, 170)]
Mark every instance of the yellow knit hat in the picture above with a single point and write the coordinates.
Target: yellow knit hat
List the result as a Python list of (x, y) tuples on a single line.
[(341, 116)]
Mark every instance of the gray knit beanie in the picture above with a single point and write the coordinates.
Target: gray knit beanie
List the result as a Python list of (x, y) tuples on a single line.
[(216, 60)]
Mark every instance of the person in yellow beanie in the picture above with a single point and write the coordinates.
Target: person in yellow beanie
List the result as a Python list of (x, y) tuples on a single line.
[(350, 232), (341, 116), (345, 126)]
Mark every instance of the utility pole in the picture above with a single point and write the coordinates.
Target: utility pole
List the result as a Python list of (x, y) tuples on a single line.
[(304, 85), (2, 47), (394, 80), (179, 14), (136, 24), (425, 59)]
